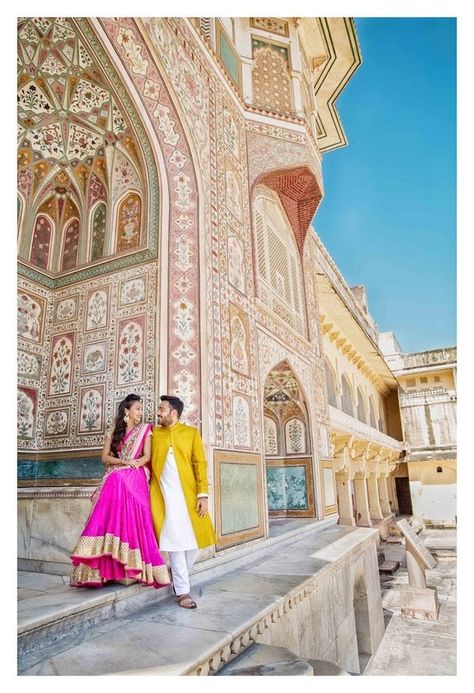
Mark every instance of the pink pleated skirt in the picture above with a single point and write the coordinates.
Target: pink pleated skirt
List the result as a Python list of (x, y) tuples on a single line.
[(118, 542)]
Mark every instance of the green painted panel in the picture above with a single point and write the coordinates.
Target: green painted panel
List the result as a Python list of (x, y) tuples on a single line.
[(286, 488), (239, 497), (229, 58)]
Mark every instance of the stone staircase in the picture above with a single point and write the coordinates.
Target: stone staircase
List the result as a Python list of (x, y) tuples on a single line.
[(267, 660), (118, 629)]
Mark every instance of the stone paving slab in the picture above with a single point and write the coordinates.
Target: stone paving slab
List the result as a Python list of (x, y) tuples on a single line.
[(413, 647)]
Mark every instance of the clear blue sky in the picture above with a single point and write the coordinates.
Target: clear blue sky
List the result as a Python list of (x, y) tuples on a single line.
[(388, 217)]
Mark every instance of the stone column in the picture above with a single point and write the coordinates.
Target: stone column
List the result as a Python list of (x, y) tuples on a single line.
[(383, 491), (392, 494), (373, 492), (362, 502), (344, 497)]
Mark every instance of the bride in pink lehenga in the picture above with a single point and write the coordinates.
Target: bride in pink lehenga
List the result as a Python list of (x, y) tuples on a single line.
[(118, 542)]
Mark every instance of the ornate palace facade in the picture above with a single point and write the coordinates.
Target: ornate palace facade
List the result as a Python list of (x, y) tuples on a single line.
[(169, 171)]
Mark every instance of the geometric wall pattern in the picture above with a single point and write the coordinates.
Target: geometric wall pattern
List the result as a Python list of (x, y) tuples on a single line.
[(77, 354), (78, 155)]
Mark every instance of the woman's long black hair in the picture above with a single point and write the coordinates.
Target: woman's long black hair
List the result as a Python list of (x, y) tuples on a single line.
[(120, 426)]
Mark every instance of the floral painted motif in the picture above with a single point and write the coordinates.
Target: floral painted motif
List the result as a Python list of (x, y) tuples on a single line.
[(97, 310), (236, 263), (184, 191), (238, 345), (241, 422), (133, 291), (233, 196), (30, 317), (96, 190), (124, 176), (56, 422), (61, 365), (66, 309), (128, 226), (71, 245), (41, 242), (183, 320), (166, 125), (271, 439), (47, 140), (28, 365), (98, 231), (133, 51), (32, 98), (26, 406), (231, 134), (183, 252), (295, 436), (130, 356), (91, 410), (94, 358), (87, 97), (82, 142)]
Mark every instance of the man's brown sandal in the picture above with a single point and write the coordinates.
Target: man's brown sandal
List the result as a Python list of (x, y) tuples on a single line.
[(186, 601)]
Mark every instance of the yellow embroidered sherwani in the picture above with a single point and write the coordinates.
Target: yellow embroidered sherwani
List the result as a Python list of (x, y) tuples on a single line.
[(192, 470)]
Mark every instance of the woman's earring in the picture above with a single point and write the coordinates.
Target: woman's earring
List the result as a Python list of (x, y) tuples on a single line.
[(126, 418)]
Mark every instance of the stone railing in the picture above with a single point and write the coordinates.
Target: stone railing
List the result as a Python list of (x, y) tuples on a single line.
[(344, 422), (430, 358), (430, 395)]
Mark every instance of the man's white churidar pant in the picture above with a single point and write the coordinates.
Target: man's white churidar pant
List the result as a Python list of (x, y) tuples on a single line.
[(177, 536)]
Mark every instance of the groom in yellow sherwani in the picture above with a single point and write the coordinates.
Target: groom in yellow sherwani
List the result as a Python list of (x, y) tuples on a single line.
[(179, 494)]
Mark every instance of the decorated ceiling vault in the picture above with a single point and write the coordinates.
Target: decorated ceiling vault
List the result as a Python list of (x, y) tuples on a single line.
[(168, 172)]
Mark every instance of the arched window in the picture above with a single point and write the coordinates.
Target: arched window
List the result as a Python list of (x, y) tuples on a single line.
[(98, 231), (280, 280), (347, 404), (71, 244), (331, 383), (361, 409), (41, 244), (128, 223), (271, 81), (372, 416), (381, 422)]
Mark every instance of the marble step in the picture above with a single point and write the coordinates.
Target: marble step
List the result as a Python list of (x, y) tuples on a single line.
[(266, 660), (321, 667), (233, 610), (58, 617), (389, 567), (393, 539)]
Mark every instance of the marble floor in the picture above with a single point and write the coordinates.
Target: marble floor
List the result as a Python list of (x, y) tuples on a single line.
[(411, 647)]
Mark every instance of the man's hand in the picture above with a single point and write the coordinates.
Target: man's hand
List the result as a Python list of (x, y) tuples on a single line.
[(201, 507)]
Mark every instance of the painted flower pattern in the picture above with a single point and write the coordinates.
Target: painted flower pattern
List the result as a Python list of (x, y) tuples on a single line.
[(97, 310), (130, 354), (60, 381), (91, 411), (25, 415)]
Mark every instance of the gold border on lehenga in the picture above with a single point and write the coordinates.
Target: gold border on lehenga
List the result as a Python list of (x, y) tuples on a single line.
[(110, 545)]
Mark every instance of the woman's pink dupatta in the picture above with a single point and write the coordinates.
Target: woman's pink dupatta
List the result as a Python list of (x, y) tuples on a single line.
[(130, 448)]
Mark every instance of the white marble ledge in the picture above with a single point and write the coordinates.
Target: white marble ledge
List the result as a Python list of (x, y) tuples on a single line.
[(65, 601), (41, 582), (347, 545)]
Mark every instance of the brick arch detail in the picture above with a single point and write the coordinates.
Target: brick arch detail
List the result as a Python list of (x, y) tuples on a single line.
[(299, 193)]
